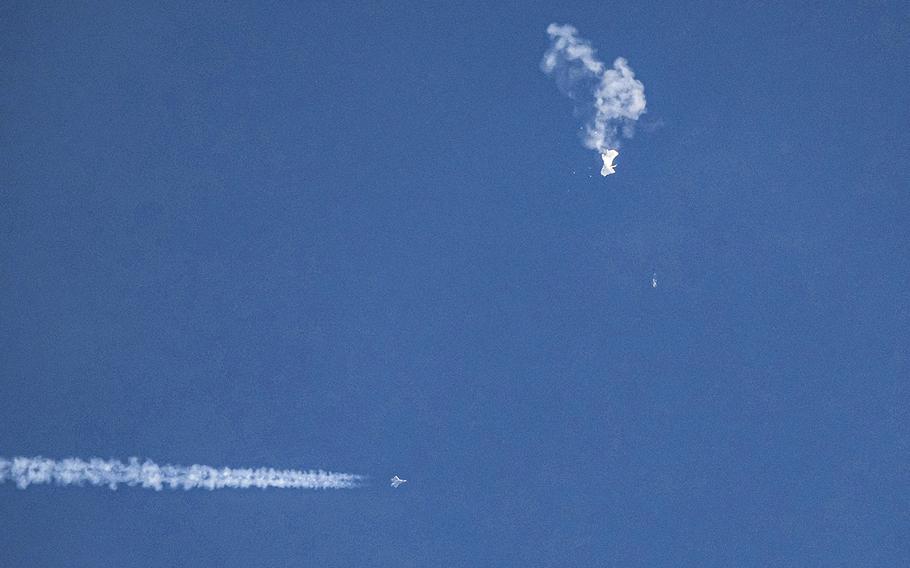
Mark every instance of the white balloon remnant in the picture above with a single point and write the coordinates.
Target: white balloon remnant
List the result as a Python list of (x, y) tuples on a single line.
[(609, 166)]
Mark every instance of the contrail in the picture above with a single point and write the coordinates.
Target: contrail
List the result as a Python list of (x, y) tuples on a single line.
[(26, 471), (610, 99)]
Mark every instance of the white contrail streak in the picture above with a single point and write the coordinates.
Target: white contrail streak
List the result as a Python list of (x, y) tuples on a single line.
[(24, 471), (610, 99)]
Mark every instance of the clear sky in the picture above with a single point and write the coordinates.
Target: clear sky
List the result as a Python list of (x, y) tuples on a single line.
[(366, 237)]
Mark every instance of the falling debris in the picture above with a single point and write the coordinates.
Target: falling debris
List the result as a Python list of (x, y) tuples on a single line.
[(609, 166)]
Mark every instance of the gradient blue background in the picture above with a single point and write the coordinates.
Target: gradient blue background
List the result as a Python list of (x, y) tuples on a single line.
[(367, 238)]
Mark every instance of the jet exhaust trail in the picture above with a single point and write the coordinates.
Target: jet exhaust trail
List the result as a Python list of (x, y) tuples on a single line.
[(610, 99), (25, 471)]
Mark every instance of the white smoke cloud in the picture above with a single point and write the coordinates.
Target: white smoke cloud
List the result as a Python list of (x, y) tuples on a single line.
[(611, 99), (25, 471)]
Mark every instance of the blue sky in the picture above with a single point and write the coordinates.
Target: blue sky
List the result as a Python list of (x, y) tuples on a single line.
[(368, 238)]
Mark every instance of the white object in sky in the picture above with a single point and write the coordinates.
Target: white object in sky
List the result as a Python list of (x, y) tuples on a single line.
[(396, 481), (609, 166), (654, 280)]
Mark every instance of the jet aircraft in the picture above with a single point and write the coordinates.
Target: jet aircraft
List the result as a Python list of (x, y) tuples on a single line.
[(396, 481)]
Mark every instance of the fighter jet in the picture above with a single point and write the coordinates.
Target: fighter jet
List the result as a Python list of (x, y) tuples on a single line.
[(396, 481), (609, 167)]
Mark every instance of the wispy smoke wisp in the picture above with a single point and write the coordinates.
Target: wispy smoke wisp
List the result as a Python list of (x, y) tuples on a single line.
[(24, 471), (611, 99)]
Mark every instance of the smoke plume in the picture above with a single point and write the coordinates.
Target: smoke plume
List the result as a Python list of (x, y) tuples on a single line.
[(24, 471), (610, 99)]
